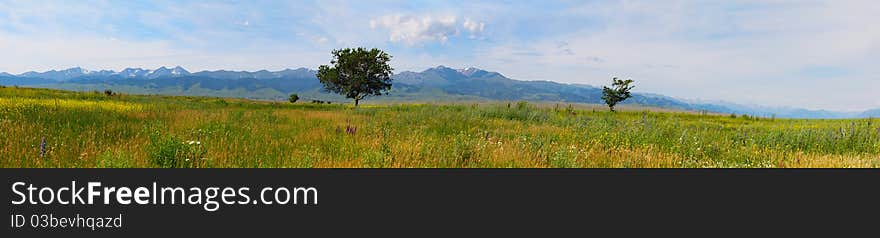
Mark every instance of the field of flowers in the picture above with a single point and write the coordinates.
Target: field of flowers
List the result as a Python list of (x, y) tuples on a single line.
[(51, 128)]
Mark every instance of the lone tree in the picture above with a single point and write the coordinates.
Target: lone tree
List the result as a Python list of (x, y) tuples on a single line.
[(293, 98), (618, 92), (357, 73)]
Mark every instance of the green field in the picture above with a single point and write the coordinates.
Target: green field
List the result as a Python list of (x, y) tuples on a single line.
[(96, 130)]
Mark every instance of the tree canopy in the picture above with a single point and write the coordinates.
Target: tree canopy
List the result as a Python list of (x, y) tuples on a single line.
[(618, 92), (357, 73)]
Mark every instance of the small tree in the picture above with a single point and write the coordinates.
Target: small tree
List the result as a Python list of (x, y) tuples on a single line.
[(357, 73), (618, 92), (293, 98)]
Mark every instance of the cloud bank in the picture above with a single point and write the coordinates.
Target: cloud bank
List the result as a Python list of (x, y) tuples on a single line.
[(414, 30)]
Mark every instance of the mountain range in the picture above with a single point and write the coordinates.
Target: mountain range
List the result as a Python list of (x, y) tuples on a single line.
[(434, 84)]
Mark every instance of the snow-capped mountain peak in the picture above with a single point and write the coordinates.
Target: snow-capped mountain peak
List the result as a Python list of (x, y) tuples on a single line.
[(179, 71), (166, 72), (471, 72)]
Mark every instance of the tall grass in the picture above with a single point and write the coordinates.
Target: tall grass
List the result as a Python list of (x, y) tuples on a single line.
[(97, 130)]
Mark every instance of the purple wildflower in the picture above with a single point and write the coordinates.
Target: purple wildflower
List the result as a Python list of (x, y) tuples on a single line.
[(43, 147)]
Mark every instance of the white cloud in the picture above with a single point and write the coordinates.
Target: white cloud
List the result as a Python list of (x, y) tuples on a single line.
[(414, 30), (473, 27)]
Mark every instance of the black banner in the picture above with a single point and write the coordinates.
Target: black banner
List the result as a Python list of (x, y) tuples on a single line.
[(410, 202)]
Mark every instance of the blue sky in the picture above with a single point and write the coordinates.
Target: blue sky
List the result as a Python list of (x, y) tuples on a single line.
[(805, 53)]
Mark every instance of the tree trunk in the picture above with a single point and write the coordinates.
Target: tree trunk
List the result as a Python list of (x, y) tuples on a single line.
[(356, 102)]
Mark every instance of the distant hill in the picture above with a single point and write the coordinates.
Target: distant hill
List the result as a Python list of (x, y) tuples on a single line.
[(436, 84), (871, 113)]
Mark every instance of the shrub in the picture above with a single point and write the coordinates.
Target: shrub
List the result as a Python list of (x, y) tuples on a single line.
[(169, 152), (109, 92), (293, 98)]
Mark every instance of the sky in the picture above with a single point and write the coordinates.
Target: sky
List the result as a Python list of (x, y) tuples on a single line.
[(803, 53)]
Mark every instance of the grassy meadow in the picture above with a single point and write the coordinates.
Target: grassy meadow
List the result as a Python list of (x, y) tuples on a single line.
[(52, 128)]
